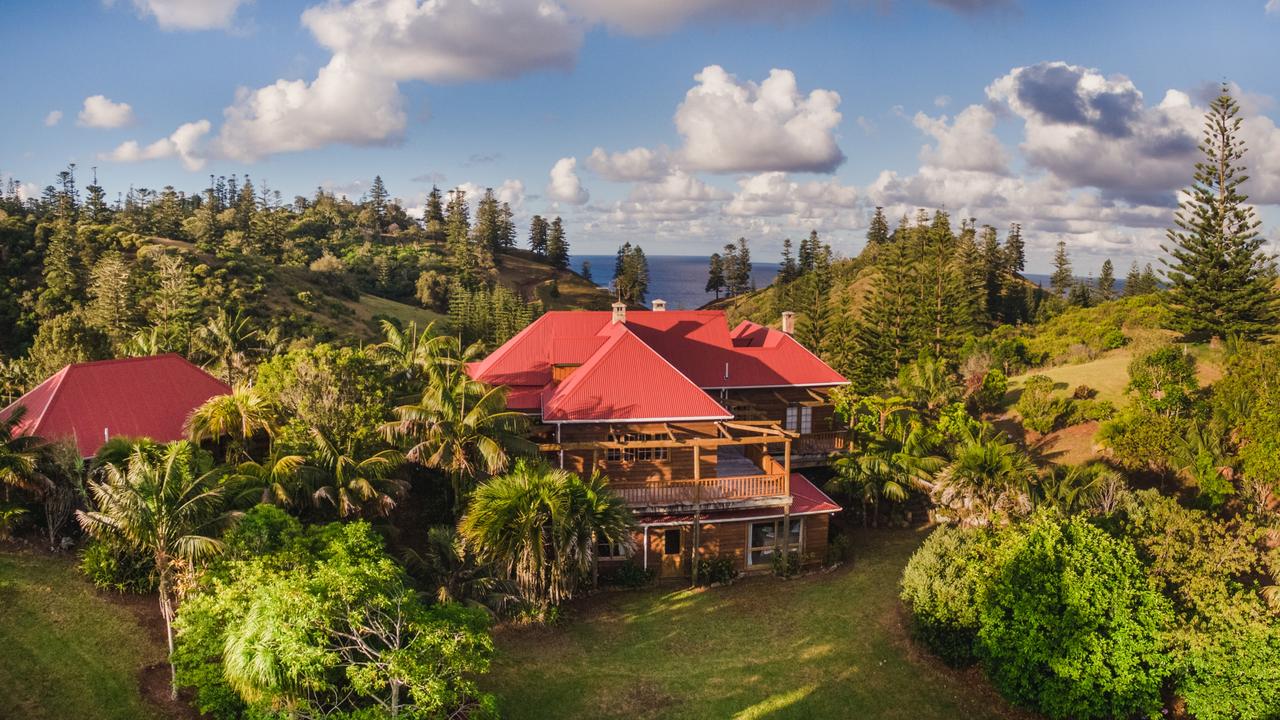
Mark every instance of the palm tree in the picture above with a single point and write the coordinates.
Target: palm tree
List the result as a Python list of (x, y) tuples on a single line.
[(19, 456), (352, 483), (929, 382), (454, 574), (164, 506), (239, 415), (540, 525), (275, 480), (898, 453), (226, 339), (988, 475), (460, 426), (407, 352), (1075, 488)]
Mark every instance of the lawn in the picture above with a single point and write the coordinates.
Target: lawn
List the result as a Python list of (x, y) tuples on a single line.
[(823, 646), (66, 651)]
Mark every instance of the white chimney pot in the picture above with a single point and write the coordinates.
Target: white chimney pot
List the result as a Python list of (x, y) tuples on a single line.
[(788, 322), (619, 312), (659, 305)]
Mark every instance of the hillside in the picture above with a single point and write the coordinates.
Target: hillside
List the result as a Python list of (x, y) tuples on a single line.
[(335, 304)]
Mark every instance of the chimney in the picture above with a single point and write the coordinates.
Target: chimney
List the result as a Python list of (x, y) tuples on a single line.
[(619, 312), (659, 305), (788, 322)]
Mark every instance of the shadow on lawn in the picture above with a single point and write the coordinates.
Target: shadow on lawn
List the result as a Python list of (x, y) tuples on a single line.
[(828, 645)]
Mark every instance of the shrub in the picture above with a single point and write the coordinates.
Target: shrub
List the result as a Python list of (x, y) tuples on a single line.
[(1083, 411), (1083, 392), (785, 564), (942, 585), (111, 567), (716, 570), (1114, 338), (627, 574), (838, 549), (1039, 409), (262, 530), (11, 516), (1164, 381), (1071, 626), (989, 396)]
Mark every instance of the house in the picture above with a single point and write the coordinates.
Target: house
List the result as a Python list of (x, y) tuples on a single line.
[(698, 427), (92, 402)]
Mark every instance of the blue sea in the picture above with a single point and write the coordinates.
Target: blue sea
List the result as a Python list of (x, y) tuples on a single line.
[(678, 279)]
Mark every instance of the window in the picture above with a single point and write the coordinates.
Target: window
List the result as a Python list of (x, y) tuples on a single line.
[(799, 419), (647, 454), (671, 542), (606, 551), (762, 537)]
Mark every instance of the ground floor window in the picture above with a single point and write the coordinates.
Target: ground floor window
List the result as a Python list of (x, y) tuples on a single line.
[(607, 551), (762, 538), (671, 542)]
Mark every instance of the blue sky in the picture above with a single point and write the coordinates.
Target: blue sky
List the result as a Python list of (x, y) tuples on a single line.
[(1055, 115)]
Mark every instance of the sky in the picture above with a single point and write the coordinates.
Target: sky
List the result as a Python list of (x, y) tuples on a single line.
[(676, 124)]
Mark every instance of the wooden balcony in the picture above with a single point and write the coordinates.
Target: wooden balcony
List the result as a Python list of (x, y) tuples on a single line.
[(812, 449), (715, 493)]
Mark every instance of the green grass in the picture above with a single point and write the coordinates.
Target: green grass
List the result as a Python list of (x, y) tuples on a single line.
[(66, 651), (1108, 374), (823, 646)]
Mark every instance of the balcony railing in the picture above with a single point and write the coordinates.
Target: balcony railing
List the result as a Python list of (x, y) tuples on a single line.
[(820, 443), (720, 492)]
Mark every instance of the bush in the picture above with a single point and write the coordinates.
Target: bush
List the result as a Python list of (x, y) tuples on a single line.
[(1083, 411), (1071, 626), (838, 549), (1083, 392), (716, 570), (786, 564), (111, 567), (943, 584), (989, 397), (262, 530), (1039, 409), (628, 574)]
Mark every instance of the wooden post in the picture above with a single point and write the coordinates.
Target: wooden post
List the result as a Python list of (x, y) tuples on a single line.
[(786, 510), (694, 546)]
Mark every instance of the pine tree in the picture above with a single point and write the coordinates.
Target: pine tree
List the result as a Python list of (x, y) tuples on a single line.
[(1062, 279), (538, 229), (631, 274), (488, 225), (378, 197), (1222, 281), (729, 261), (1107, 281), (458, 228), (111, 307), (1015, 249), (433, 216), (506, 227), (715, 275), (787, 269), (881, 337), (739, 275), (1133, 281), (878, 230), (993, 274), (557, 245)]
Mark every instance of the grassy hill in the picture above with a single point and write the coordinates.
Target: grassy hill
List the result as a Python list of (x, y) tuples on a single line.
[(333, 304)]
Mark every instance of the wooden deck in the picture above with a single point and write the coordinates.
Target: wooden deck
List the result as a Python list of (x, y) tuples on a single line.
[(706, 493)]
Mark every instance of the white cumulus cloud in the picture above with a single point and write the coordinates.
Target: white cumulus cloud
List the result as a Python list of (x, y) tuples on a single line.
[(636, 164), (342, 105), (190, 14), (53, 118), (966, 143), (565, 186), (101, 112), (184, 143), (732, 126)]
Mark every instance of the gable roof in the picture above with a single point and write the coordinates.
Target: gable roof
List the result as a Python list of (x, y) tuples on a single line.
[(615, 370), (593, 393), (134, 397)]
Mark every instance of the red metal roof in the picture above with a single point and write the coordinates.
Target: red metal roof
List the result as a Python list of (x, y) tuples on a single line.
[(599, 390), (133, 397), (696, 344)]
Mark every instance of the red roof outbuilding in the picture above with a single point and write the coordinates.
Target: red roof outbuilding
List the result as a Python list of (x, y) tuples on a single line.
[(132, 397)]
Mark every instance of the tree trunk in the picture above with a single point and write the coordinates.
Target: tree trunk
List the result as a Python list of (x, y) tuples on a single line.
[(166, 611)]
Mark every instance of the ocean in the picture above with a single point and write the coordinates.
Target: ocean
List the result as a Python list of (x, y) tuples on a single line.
[(678, 279)]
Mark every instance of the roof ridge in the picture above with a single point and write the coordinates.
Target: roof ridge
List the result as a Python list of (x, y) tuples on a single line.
[(135, 358), (57, 380)]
